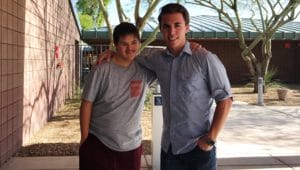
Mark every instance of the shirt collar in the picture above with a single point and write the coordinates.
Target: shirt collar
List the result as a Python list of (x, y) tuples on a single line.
[(186, 50)]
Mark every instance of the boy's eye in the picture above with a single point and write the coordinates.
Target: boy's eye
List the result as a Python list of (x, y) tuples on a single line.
[(135, 42), (123, 44), (177, 25), (166, 26)]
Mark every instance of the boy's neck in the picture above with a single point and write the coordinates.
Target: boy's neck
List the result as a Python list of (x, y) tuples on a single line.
[(121, 62), (175, 52)]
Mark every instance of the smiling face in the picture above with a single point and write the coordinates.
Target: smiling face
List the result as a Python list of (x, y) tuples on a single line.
[(174, 29), (127, 41), (127, 48)]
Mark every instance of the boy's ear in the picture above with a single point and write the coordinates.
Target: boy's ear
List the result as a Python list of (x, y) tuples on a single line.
[(187, 28)]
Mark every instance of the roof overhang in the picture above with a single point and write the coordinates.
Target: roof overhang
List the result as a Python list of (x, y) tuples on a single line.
[(202, 27)]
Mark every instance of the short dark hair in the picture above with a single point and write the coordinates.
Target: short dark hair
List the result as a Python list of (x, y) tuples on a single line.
[(172, 8), (125, 28)]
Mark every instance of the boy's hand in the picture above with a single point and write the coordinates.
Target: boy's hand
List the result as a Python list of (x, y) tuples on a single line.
[(105, 56), (82, 140), (203, 145), (194, 46)]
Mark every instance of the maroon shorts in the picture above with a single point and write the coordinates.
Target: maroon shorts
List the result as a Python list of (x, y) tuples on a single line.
[(94, 155)]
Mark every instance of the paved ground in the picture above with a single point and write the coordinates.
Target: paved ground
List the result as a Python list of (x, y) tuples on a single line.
[(258, 137), (254, 137)]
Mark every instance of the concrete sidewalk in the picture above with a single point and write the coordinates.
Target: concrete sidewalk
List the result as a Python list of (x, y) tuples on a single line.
[(254, 137), (257, 137), (245, 162)]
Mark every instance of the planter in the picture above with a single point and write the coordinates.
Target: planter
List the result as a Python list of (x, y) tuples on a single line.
[(282, 94)]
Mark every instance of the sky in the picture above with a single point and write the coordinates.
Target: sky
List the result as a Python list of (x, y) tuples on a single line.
[(194, 10), (130, 9)]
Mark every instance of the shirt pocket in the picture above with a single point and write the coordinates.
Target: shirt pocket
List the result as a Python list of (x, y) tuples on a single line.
[(135, 88), (192, 85), (187, 76), (192, 80)]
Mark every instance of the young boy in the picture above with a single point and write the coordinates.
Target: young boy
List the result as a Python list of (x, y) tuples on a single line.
[(112, 102)]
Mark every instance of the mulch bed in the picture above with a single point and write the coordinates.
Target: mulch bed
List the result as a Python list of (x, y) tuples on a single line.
[(61, 149)]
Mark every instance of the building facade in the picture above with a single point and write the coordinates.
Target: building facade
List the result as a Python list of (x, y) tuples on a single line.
[(38, 66), (219, 38)]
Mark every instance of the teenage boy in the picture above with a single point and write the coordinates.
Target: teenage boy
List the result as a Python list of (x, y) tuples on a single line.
[(112, 102), (191, 81)]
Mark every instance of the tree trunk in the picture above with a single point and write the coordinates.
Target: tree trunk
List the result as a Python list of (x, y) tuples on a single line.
[(254, 68), (267, 55), (262, 67)]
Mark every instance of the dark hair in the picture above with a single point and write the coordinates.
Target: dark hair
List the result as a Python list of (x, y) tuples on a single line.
[(125, 28), (172, 8)]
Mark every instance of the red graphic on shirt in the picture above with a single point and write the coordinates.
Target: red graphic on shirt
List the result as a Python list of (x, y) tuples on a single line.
[(135, 88)]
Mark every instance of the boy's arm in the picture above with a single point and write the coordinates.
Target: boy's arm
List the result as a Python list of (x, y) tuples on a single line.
[(85, 117), (221, 113)]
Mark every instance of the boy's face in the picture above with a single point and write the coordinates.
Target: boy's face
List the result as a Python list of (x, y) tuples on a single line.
[(128, 47), (174, 29)]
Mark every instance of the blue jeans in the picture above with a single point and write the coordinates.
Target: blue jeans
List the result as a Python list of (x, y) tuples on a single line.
[(196, 159)]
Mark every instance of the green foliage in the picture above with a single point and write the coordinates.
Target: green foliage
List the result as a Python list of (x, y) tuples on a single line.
[(269, 76), (88, 11), (148, 100), (100, 21), (88, 7), (86, 21)]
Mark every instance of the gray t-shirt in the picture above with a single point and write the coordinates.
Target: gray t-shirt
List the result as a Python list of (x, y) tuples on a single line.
[(118, 96)]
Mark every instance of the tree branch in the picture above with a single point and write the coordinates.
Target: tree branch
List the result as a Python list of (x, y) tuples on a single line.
[(109, 27), (137, 13), (262, 20), (151, 38), (120, 11), (121, 14), (148, 13)]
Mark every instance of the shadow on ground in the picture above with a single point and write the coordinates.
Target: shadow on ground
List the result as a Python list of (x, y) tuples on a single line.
[(49, 149), (62, 149)]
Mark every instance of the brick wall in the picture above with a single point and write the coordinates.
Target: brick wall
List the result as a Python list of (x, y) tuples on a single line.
[(297, 62), (32, 85)]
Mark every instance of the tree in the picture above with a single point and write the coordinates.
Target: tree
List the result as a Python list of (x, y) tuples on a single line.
[(89, 14), (147, 7), (272, 14), (86, 21), (139, 20)]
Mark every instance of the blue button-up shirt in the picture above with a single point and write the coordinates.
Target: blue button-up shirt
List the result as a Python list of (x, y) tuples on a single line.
[(189, 84)]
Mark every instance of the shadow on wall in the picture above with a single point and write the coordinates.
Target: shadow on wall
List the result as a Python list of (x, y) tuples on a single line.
[(51, 83)]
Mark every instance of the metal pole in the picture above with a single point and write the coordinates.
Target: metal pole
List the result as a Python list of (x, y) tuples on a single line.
[(260, 90), (157, 123)]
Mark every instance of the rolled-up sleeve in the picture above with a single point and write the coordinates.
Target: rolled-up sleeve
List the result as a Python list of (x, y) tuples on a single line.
[(218, 79)]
